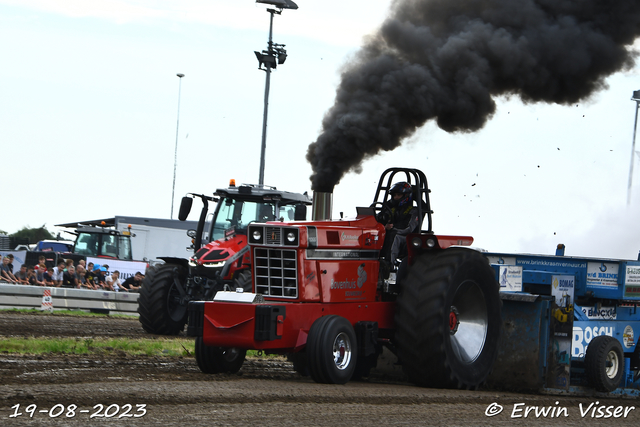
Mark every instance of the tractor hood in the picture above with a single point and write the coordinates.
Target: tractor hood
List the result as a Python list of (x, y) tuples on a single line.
[(216, 253)]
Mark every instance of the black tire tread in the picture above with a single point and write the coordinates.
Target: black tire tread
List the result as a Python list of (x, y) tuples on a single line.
[(320, 358), (152, 303), (242, 280), (205, 358), (313, 347), (420, 326), (595, 359), (211, 360), (300, 362)]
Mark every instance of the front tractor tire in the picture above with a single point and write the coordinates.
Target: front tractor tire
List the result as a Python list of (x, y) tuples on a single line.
[(217, 360), (332, 350), (242, 280), (448, 320), (159, 306)]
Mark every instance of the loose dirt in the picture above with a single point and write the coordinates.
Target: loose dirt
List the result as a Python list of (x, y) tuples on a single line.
[(124, 390)]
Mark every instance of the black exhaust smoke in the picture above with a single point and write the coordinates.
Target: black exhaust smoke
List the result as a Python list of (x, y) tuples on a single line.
[(447, 59)]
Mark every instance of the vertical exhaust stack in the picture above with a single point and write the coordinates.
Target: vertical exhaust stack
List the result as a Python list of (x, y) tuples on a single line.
[(322, 206)]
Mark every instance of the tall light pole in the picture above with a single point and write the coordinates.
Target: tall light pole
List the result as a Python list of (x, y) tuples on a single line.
[(270, 58), (635, 97), (175, 154)]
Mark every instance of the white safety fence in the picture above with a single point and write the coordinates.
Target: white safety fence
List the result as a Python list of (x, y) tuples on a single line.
[(22, 296)]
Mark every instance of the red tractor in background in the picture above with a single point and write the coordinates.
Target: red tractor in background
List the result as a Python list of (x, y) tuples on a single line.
[(320, 296), (223, 263)]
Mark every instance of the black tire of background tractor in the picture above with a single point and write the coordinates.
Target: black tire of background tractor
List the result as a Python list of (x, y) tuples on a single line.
[(300, 362), (231, 359), (157, 313), (332, 350), (216, 360), (243, 280), (604, 363), (455, 285)]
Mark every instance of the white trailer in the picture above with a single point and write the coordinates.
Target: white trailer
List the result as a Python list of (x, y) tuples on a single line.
[(152, 238)]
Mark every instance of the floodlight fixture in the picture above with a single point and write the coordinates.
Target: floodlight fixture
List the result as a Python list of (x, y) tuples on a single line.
[(280, 4), (266, 59)]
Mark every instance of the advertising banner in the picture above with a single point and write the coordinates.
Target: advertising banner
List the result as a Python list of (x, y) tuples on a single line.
[(510, 278), (562, 289), (602, 275)]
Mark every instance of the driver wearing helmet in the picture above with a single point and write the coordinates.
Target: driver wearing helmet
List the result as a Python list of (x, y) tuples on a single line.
[(400, 218)]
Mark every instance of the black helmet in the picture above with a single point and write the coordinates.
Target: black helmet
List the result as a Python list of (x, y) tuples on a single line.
[(403, 188)]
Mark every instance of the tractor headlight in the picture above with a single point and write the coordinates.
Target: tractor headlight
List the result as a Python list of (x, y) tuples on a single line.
[(431, 243), (290, 236), (416, 242), (214, 264), (256, 235)]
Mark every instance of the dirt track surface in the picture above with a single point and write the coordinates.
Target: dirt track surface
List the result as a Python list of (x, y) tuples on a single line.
[(264, 392)]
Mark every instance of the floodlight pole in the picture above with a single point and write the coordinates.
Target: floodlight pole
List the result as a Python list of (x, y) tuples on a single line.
[(636, 98), (175, 154), (267, 86)]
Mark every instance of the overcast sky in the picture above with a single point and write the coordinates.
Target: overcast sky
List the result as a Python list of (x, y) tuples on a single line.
[(89, 102)]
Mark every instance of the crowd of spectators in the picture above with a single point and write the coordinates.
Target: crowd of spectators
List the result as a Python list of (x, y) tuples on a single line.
[(67, 275)]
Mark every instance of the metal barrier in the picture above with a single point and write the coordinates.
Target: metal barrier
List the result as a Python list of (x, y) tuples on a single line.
[(23, 296)]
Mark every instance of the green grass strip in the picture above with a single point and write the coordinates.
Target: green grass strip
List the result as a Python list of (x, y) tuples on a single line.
[(173, 347), (72, 313)]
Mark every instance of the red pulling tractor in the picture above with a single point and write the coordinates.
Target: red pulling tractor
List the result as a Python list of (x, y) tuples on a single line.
[(320, 296)]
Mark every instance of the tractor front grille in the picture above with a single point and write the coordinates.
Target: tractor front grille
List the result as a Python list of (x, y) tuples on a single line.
[(273, 235), (276, 272)]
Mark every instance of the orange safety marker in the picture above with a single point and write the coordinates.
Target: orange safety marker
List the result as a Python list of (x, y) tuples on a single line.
[(47, 301)]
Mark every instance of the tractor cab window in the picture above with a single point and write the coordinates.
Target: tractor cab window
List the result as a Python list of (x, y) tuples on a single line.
[(87, 244), (124, 248), (102, 244), (109, 246), (238, 214), (287, 213)]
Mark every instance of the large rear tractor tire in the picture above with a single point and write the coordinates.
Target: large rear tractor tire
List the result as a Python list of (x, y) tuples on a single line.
[(448, 320), (604, 362), (159, 303), (216, 360), (332, 350)]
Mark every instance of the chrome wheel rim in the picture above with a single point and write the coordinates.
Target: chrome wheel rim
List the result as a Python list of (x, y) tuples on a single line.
[(342, 351), (468, 322)]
